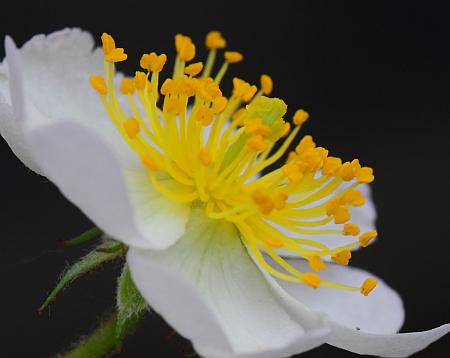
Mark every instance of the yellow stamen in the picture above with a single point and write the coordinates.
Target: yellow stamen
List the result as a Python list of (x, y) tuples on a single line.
[(368, 285), (311, 279), (185, 47), (127, 86), (215, 40), (368, 236), (132, 128), (343, 257), (351, 229), (316, 263), (98, 83), (300, 117), (266, 84), (233, 56), (194, 69)]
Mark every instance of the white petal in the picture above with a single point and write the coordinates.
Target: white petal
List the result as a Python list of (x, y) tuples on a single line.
[(364, 216), (380, 312), (208, 288), (364, 325), (114, 196), (384, 345)]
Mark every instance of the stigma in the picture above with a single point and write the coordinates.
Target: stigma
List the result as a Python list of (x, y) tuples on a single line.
[(214, 148)]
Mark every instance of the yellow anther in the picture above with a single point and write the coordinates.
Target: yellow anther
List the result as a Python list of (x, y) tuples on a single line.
[(305, 144), (131, 126), (300, 117), (108, 43), (351, 229), (260, 196), (266, 84), (214, 39), (316, 263), (153, 62), (342, 214), (98, 83), (248, 95), (219, 104), (273, 242), (238, 114), (291, 156), (279, 202), (331, 166), (204, 157), (343, 257), (185, 47), (332, 205), (354, 198), (368, 285), (149, 163), (172, 105), (256, 127), (140, 80), (258, 143), (167, 87), (194, 69), (267, 207), (311, 279), (313, 159), (368, 236), (293, 172), (286, 129), (127, 86), (233, 56), (365, 175), (205, 116), (116, 55), (346, 172)]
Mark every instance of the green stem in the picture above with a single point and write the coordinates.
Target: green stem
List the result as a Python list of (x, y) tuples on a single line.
[(85, 236), (98, 343)]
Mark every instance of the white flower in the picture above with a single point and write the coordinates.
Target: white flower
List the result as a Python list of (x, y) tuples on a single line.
[(202, 274)]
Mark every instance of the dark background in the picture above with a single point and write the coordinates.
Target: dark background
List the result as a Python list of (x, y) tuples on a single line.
[(375, 77)]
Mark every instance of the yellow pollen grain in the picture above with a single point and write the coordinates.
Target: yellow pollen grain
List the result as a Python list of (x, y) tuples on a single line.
[(316, 263), (300, 117), (194, 69), (233, 56), (98, 83), (127, 86), (131, 126), (149, 163), (365, 238), (266, 84), (343, 257), (215, 40), (351, 229), (311, 279), (368, 285), (204, 157)]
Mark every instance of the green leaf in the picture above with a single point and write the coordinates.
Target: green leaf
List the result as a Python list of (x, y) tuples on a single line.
[(85, 236), (131, 306), (95, 258)]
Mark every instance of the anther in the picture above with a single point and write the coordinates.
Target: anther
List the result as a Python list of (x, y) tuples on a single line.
[(215, 40), (300, 117), (131, 126), (368, 236), (351, 229), (316, 263), (368, 285), (343, 257), (98, 83), (233, 56), (266, 84), (311, 279)]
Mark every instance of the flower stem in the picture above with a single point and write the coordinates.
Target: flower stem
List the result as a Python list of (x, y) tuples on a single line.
[(101, 341)]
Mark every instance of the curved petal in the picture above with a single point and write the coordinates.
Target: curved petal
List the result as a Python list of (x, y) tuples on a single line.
[(380, 312), (384, 345), (208, 288), (364, 216), (115, 197)]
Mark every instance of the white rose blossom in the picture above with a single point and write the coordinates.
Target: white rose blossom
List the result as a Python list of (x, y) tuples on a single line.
[(228, 261)]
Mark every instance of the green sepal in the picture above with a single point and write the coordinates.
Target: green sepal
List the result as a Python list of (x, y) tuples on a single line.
[(82, 238), (131, 306), (92, 260)]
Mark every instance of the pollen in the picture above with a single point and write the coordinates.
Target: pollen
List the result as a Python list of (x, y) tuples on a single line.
[(368, 285), (203, 146), (311, 279)]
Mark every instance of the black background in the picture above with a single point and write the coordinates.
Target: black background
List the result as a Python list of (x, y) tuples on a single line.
[(375, 77)]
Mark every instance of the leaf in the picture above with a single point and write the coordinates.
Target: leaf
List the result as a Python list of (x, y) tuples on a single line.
[(82, 238), (86, 264), (131, 306)]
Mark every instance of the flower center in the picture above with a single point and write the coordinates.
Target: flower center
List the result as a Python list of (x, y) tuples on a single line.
[(212, 147)]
